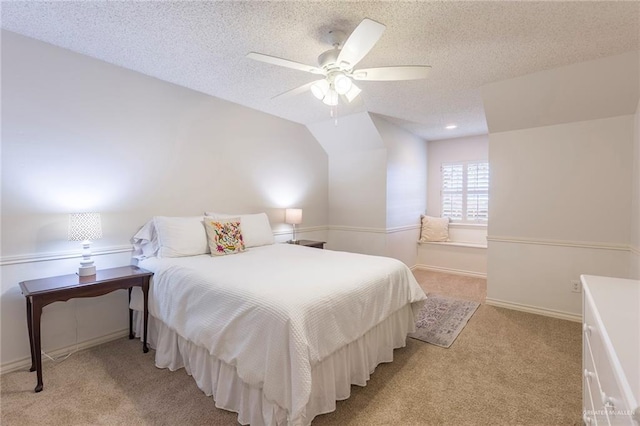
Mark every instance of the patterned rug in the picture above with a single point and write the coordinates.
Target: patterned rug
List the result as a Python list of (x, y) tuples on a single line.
[(442, 318)]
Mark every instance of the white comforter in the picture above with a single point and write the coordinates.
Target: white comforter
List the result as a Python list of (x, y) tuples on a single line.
[(273, 312)]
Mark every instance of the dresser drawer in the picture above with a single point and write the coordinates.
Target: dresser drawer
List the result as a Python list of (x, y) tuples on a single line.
[(590, 415), (610, 406), (594, 412)]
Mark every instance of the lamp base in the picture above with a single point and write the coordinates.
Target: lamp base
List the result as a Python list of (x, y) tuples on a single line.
[(86, 271)]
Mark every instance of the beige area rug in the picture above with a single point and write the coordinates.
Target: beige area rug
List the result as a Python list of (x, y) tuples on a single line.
[(442, 318)]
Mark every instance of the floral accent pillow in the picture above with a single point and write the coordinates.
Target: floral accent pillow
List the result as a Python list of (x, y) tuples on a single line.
[(224, 236)]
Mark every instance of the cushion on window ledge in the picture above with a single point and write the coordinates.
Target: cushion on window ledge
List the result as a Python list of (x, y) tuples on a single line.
[(224, 236), (434, 229)]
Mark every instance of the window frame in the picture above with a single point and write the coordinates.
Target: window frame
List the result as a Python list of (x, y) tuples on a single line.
[(464, 193)]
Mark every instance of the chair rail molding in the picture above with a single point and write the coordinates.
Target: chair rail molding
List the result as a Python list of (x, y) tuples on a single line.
[(43, 257), (562, 243), (391, 230), (299, 230)]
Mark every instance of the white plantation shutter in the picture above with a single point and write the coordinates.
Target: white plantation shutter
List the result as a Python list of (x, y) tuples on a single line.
[(452, 191), (465, 191), (477, 192)]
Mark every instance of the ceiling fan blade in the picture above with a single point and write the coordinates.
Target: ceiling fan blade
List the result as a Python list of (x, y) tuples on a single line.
[(284, 63), (392, 73), (294, 92), (360, 42)]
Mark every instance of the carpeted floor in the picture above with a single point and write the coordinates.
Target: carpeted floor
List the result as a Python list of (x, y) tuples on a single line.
[(505, 368)]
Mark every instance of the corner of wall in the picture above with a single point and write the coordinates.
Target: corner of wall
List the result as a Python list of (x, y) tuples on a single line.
[(634, 260), (569, 150)]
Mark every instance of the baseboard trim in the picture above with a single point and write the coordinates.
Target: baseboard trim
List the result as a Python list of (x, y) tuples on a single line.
[(534, 309), (453, 244), (450, 271), (26, 362)]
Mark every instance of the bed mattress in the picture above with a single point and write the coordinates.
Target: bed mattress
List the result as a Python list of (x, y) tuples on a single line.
[(273, 313)]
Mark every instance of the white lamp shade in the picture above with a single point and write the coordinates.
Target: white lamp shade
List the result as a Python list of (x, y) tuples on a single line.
[(331, 98), (320, 88), (293, 216), (353, 92), (342, 84), (84, 226)]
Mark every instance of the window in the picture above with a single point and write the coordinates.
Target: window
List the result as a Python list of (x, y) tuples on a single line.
[(465, 191)]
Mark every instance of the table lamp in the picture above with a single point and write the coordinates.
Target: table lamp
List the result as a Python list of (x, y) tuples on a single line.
[(293, 217), (85, 227)]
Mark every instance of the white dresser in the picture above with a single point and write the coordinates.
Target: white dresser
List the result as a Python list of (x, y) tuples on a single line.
[(611, 351)]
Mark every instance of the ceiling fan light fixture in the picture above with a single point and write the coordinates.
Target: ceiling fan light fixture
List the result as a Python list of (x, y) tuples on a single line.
[(336, 66), (331, 98), (353, 93), (320, 89), (342, 84)]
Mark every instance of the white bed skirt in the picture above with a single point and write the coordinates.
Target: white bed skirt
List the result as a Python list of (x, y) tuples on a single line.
[(331, 378)]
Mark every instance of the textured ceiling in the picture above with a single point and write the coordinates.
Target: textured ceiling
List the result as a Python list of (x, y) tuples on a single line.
[(202, 45)]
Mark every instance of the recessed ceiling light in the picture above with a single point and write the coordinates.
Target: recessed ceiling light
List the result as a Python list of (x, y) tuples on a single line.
[(451, 126)]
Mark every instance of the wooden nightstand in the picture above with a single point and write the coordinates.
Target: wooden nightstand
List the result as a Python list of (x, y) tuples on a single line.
[(39, 293), (308, 243)]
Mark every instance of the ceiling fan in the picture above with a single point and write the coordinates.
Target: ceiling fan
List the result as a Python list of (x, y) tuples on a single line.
[(336, 66)]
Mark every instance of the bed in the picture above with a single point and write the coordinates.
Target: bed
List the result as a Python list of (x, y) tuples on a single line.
[(278, 332)]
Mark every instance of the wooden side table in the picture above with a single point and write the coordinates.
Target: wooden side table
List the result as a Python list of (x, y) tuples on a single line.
[(41, 292), (308, 243)]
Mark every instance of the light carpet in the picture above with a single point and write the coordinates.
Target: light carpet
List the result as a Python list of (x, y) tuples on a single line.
[(442, 318), (505, 368)]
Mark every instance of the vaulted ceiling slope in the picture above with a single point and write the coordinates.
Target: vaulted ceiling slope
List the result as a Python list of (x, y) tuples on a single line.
[(202, 46)]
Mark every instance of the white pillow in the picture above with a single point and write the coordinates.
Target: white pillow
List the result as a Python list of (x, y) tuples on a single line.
[(181, 236), (256, 230), (145, 242), (434, 229)]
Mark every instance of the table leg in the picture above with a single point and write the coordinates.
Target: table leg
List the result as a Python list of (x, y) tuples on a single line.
[(131, 335), (36, 313), (30, 328), (145, 292)]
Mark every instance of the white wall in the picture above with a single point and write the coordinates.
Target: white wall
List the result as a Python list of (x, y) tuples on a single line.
[(561, 155), (605, 87), (79, 134), (377, 185), (558, 210), (357, 170), (406, 189), (357, 183), (566, 182), (472, 148), (635, 200), (472, 258), (406, 174)]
